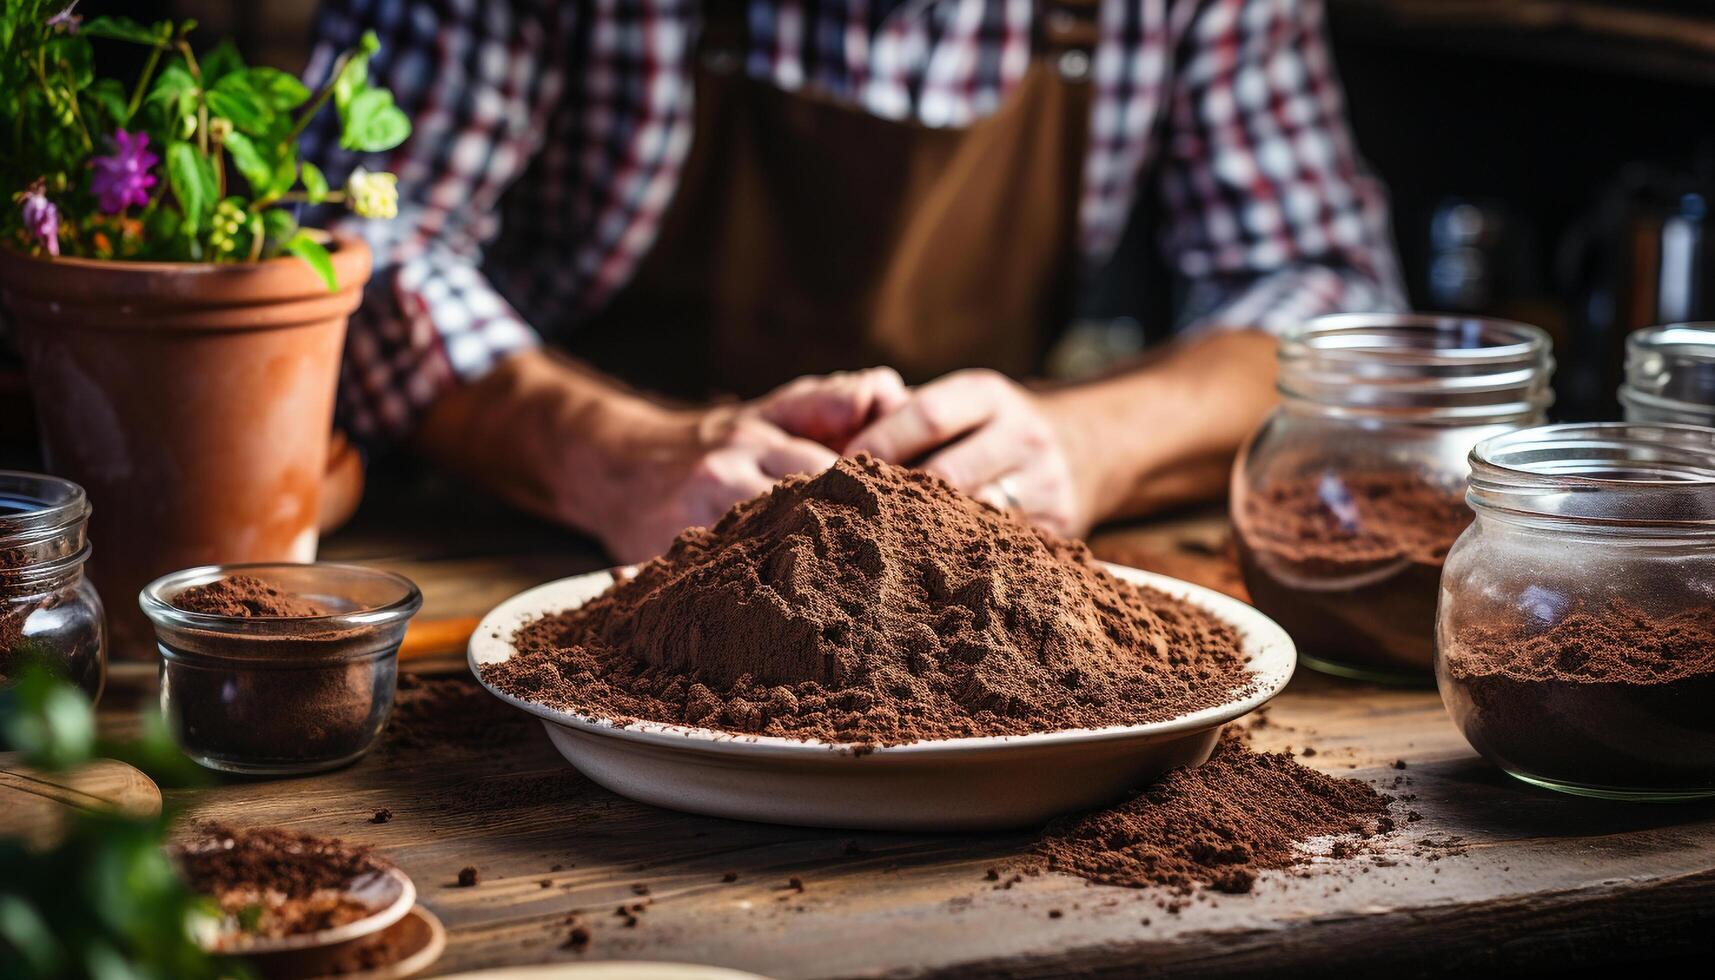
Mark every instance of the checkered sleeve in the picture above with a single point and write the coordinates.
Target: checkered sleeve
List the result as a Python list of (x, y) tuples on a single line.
[(1270, 215), (478, 81)]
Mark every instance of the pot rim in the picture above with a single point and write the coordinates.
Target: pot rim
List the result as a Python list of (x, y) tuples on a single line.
[(337, 240)]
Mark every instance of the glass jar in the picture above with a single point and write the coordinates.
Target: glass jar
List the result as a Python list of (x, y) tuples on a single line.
[(49, 612), (281, 695), (1346, 499), (1670, 374), (1576, 635)]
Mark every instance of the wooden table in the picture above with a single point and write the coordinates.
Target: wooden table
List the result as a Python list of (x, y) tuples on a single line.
[(1493, 875)]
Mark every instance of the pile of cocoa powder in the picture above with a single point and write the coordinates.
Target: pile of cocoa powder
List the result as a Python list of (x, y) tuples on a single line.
[(1614, 696), (1218, 824), (274, 882), (876, 605), (271, 700), (1349, 562), (247, 597)]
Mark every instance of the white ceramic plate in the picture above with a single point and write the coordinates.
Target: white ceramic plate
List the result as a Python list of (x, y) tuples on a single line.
[(952, 784)]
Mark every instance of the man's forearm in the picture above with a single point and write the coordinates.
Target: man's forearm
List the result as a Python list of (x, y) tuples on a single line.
[(1165, 433), (546, 434)]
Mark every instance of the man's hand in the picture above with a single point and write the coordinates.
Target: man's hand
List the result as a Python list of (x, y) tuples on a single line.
[(689, 470), (989, 437)]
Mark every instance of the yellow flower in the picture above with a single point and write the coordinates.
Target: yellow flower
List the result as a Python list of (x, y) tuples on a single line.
[(372, 195)]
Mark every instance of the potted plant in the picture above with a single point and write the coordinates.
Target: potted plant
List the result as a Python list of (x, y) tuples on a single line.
[(181, 332)]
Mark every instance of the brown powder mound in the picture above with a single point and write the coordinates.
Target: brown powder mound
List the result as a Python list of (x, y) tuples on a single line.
[(247, 597), (1218, 824), (1609, 698), (275, 882), (877, 605), (1335, 521)]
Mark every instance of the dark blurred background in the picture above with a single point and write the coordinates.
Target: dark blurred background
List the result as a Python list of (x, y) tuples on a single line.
[(1549, 160)]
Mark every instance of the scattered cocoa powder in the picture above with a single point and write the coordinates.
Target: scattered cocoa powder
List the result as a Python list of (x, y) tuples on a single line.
[(1350, 563), (876, 605), (468, 877), (1217, 825), (1615, 697), (435, 714), (275, 882), (381, 816)]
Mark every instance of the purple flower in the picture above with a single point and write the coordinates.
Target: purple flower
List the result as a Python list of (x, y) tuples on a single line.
[(66, 18), (41, 219), (124, 179)]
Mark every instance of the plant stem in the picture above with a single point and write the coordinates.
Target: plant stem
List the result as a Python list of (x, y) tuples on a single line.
[(299, 197), (320, 100), (257, 233), (70, 100), (219, 171), (142, 83), (202, 104)]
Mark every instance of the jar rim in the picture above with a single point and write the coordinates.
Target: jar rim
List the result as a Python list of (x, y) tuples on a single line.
[(1512, 340), (50, 504), (156, 600), (1435, 367), (1671, 369), (1614, 474)]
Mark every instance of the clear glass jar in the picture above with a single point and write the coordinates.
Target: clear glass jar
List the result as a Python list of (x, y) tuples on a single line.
[(1670, 374), (273, 695), (1576, 634), (1346, 499), (49, 611)]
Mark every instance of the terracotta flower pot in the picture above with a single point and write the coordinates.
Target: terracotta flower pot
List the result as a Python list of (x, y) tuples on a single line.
[(193, 402)]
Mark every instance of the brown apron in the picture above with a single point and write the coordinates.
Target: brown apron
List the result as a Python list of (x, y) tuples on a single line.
[(808, 236)]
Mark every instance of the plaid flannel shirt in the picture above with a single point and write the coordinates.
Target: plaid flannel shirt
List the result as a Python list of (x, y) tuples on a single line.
[(565, 123)]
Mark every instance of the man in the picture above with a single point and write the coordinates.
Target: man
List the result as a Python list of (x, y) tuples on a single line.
[(720, 196)]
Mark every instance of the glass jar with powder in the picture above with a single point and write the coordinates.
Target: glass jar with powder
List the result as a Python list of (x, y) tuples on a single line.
[(1346, 499), (1670, 374), (49, 611), (275, 669), (1576, 632)]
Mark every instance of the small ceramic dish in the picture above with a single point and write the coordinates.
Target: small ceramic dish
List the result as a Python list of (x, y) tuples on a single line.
[(951, 784), (403, 949), (388, 893)]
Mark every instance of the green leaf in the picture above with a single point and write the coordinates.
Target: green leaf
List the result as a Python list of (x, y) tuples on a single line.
[(72, 56), (280, 90), (109, 96), (192, 183), (49, 720), (352, 79), (257, 169), (315, 183), (220, 62), (233, 98), (372, 123), (279, 223), (121, 29), (311, 251), (368, 44), (174, 80)]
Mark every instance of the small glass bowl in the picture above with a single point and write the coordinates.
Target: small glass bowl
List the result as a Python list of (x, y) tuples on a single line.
[(275, 695)]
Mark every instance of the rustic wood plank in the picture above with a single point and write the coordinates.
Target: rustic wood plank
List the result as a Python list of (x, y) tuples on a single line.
[(1493, 875)]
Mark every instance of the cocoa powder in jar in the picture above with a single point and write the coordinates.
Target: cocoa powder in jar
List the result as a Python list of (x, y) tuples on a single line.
[(1610, 696), (1349, 563), (272, 701)]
